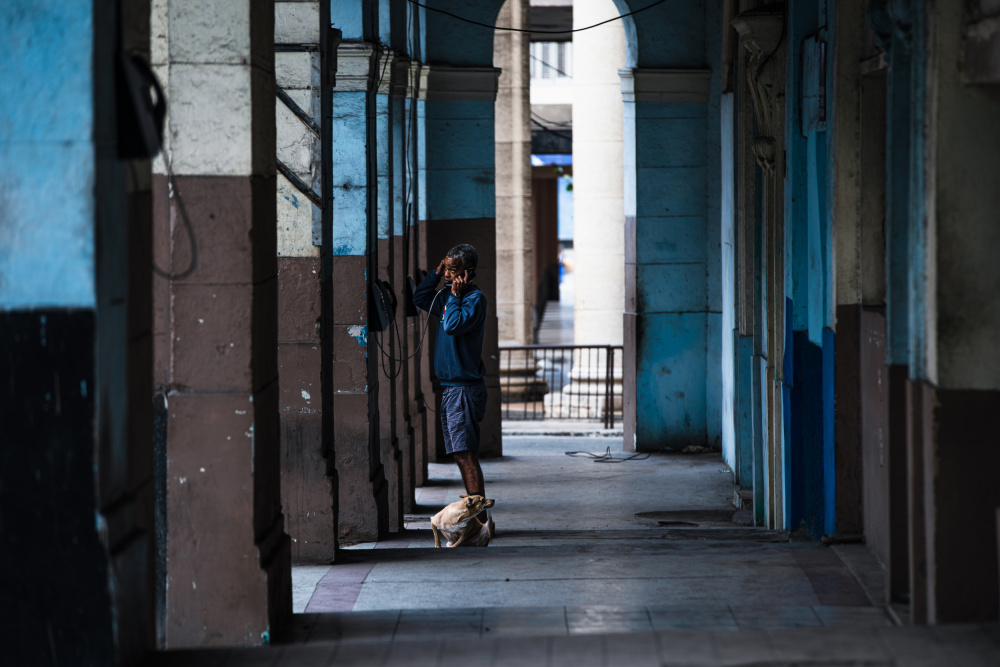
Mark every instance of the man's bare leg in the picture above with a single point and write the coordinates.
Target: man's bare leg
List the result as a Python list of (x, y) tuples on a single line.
[(472, 476), (472, 473)]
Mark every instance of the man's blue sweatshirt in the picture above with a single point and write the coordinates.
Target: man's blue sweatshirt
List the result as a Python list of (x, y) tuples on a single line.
[(458, 351)]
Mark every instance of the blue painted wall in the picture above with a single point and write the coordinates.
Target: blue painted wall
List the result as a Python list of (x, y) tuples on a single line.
[(47, 155), (714, 333), (671, 157), (349, 173), (460, 169), (808, 446), (672, 188), (672, 34), (456, 42), (744, 411)]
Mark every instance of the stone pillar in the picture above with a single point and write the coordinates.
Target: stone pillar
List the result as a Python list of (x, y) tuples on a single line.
[(954, 278), (515, 236), (666, 300), (857, 144), (895, 46), (391, 168), (76, 464), (306, 490), (416, 373), (764, 75), (363, 490), (227, 569), (459, 207), (598, 173)]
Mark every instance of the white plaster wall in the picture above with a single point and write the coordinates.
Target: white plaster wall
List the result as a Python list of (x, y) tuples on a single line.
[(598, 175), (298, 148)]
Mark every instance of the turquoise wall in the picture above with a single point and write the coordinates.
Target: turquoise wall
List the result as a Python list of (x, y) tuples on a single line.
[(673, 182), (47, 155), (459, 166)]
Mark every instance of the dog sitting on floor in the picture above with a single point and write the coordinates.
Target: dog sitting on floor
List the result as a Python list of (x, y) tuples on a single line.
[(460, 525)]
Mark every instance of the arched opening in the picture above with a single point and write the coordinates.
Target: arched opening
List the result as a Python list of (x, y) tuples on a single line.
[(567, 366)]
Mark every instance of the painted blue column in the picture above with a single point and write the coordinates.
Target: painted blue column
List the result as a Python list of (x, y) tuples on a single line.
[(810, 455), (762, 36), (75, 343), (357, 153), (666, 255)]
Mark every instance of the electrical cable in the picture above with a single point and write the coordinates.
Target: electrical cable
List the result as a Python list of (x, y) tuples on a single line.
[(550, 131), (537, 32), (173, 192), (556, 123), (608, 457), (422, 335), (546, 63)]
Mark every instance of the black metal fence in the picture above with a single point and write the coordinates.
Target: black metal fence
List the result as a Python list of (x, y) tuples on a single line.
[(561, 382)]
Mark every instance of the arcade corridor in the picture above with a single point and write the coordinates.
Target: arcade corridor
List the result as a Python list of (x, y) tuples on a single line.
[(633, 563), (212, 216)]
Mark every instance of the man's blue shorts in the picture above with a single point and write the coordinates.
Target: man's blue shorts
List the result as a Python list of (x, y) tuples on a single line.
[(462, 408)]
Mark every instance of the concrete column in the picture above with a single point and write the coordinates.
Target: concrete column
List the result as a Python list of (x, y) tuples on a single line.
[(599, 225), (76, 464), (810, 455), (895, 47), (227, 556), (421, 420), (858, 163), (748, 437), (460, 206), (515, 235), (391, 169), (306, 490), (764, 75), (954, 277), (363, 490), (665, 255)]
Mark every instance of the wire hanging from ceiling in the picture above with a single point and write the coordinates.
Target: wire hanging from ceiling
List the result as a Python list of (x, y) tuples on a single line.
[(537, 32)]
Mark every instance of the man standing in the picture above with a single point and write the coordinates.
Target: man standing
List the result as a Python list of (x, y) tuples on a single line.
[(458, 358)]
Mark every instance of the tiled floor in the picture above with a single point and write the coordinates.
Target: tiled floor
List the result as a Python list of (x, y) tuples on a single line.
[(628, 563), (964, 645), (413, 624)]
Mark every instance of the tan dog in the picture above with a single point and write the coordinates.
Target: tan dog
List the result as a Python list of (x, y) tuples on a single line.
[(459, 524)]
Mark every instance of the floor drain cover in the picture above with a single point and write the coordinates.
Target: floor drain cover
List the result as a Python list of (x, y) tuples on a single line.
[(689, 517)]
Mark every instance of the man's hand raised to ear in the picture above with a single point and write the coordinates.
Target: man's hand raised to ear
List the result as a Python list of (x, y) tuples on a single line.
[(460, 284)]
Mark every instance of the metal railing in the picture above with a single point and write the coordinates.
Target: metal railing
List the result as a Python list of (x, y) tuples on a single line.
[(561, 382)]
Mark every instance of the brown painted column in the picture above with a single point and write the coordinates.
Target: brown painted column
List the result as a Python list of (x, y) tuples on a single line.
[(421, 419), (76, 468), (307, 492), (356, 422), (227, 555), (954, 278), (857, 141), (391, 349)]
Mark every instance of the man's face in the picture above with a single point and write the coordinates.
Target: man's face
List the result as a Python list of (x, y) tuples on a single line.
[(453, 267)]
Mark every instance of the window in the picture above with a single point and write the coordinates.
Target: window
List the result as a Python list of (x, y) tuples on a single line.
[(551, 60)]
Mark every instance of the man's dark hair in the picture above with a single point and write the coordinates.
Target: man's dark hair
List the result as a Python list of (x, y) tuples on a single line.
[(466, 253)]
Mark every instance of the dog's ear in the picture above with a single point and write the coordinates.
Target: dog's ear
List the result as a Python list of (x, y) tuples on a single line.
[(463, 495)]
